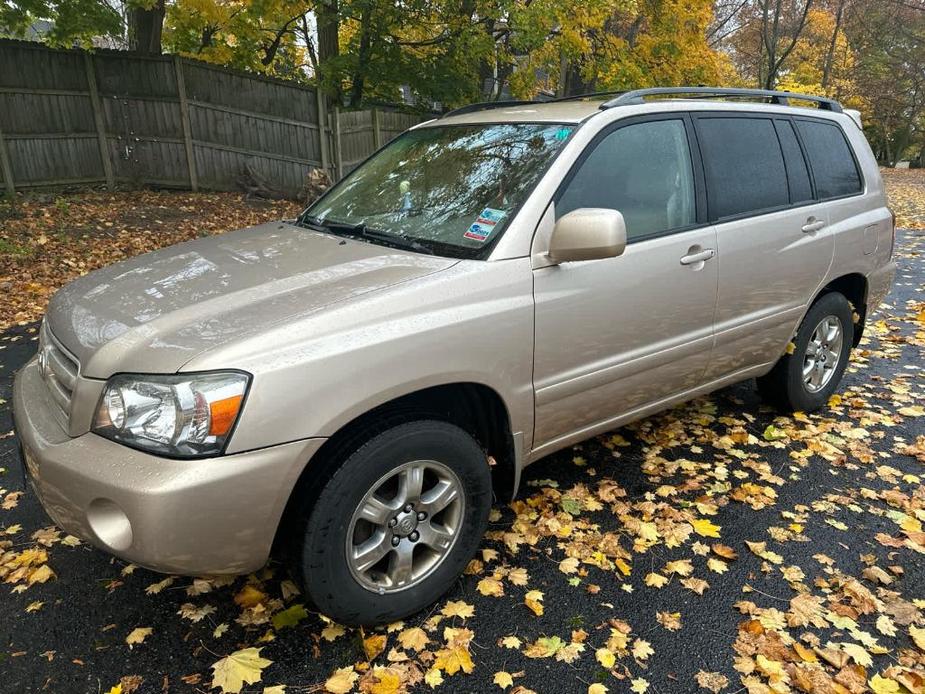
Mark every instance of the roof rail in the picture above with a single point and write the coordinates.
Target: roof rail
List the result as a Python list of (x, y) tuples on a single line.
[(485, 106), (588, 95), (638, 96)]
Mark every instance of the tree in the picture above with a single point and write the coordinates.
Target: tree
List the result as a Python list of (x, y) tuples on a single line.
[(72, 21), (145, 19)]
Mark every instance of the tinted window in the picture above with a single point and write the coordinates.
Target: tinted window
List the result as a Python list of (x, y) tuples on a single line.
[(833, 166), (744, 165), (797, 174), (642, 170)]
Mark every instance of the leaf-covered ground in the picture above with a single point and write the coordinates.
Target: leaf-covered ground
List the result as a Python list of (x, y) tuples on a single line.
[(716, 547), (48, 240)]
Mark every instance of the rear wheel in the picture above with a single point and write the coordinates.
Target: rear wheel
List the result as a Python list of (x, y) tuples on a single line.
[(396, 524), (804, 380)]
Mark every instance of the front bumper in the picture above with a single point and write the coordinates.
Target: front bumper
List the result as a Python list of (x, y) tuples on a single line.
[(217, 515)]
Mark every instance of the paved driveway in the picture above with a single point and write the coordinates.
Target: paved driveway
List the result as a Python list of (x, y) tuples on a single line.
[(717, 545)]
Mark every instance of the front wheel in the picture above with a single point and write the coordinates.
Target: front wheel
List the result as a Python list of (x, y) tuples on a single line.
[(396, 524), (804, 380)]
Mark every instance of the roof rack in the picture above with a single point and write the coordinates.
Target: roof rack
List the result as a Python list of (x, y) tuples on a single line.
[(588, 95), (486, 106), (638, 96)]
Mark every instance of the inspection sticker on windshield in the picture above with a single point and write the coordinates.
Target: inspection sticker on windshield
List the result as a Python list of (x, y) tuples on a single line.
[(485, 223)]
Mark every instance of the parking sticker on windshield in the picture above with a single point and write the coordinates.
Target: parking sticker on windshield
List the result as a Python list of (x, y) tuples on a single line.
[(485, 223)]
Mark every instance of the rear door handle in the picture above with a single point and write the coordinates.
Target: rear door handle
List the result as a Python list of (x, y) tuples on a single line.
[(698, 257), (812, 224)]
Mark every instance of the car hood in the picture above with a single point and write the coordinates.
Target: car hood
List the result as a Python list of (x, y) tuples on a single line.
[(157, 311)]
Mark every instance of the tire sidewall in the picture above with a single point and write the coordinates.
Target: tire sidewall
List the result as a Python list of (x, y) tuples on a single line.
[(831, 304), (323, 561)]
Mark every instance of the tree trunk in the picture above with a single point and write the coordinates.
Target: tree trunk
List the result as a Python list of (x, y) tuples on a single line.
[(363, 55), (327, 15), (145, 27), (830, 54)]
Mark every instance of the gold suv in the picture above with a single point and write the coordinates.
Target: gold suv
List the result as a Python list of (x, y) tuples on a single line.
[(490, 287)]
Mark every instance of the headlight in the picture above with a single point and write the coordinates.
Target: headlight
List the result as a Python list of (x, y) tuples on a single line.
[(180, 415)]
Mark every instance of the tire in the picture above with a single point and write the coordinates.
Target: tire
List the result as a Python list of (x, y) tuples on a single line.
[(785, 385), (444, 457)]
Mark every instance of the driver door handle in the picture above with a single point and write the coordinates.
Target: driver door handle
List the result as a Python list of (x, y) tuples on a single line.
[(812, 224), (698, 257)]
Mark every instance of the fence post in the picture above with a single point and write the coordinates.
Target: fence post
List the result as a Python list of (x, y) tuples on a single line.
[(7, 170), (187, 128), (338, 154), (322, 109), (98, 119), (377, 131)]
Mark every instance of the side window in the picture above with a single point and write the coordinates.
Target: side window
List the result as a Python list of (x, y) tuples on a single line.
[(744, 165), (797, 173), (642, 170), (834, 169)]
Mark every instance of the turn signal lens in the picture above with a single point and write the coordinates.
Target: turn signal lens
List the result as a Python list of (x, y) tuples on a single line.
[(224, 413)]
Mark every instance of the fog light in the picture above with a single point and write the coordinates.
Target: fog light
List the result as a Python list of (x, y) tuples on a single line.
[(110, 524)]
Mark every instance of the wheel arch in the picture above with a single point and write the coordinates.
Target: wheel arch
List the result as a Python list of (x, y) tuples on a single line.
[(854, 287), (475, 407)]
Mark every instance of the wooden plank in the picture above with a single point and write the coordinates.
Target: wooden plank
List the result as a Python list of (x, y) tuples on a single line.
[(51, 136), (252, 114), (338, 161), (322, 130), (5, 167), (98, 119), (187, 131), (255, 153), (377, 130)]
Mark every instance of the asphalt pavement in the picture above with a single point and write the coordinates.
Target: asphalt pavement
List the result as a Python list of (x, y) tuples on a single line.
[(75, 640)]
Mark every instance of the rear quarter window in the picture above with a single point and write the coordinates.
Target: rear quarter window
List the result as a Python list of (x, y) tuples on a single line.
[(834, 168), (743, 164)]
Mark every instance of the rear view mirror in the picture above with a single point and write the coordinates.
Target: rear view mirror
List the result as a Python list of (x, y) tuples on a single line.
[(589, 233)]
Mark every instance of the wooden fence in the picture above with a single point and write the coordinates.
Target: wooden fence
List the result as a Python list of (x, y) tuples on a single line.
[(70, 117)]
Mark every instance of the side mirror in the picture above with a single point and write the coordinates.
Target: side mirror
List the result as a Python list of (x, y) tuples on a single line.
[(589, 233)]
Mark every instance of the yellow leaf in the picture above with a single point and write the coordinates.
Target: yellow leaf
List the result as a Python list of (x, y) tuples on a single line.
[(503, 679), (511, 642), (717, 566), (374, 645), (642, 649), (275, 689), (518, 576), (34, 606), (116, 689), (533, 600), (452, 660), (341, 681), (249, 596), (880, 685), (414, 639), (388, 681), (654, 580), (138, 635), (40, 575), (704, 528), (457, 608), (434, 678), (858, 654), (790, 348), (242, 667), (639, 686), (918, 636), (568, 566), (605, 657), (682, 567), (597, 688), (489, 586)]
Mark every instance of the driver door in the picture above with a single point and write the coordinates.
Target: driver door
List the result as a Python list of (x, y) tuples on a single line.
[(617, 335)]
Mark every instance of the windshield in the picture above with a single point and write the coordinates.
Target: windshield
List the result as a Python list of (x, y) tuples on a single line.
[(450, 189)]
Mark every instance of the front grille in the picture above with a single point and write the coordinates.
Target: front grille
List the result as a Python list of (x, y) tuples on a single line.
[(59, 371)]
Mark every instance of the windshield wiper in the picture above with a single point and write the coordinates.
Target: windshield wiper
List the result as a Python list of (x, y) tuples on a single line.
[(361, 230)]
